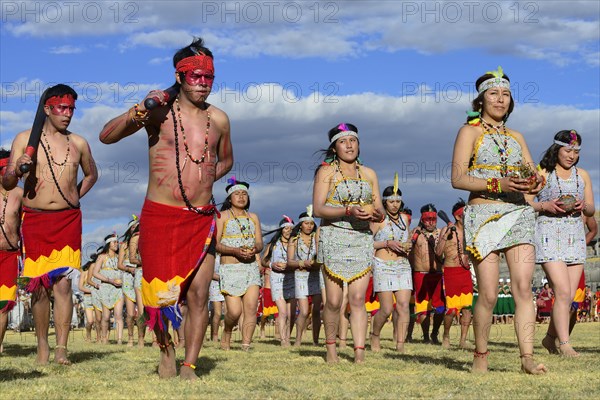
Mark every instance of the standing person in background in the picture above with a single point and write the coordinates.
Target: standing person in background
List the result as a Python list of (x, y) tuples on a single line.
[(560, 234), (239, 240), (392, 275), (128, 277), (10, 220), (346, 198)]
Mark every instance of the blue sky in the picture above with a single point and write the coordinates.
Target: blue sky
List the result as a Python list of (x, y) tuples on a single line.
[(287, 72)]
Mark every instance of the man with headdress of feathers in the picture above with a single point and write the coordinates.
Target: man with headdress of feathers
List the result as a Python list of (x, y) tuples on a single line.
[(189, 148), (51, 223)]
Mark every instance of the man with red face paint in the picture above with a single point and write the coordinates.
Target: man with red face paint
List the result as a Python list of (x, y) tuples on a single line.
[(189, 148), (10, 219), (458, 286), (51, 222), (427, 274)]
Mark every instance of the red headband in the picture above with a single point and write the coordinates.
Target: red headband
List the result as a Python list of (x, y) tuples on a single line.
[(195, 62), (459, 212), (58, 100), (429, 214)]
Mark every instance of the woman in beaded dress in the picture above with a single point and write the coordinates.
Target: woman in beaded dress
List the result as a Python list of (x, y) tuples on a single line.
[(94, 283), (560, 234), (281, 278), (111, 295), (239, 241), (86, 289), (392, 274), (492, 162), (301, 258), (345, 197), (128, 277)]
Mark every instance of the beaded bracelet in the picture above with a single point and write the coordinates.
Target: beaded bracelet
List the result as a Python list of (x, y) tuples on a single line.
[(139, 117), (493, 185)]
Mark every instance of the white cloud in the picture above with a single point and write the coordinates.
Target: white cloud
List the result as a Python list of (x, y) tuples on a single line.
[(66, 49), (567, 31)]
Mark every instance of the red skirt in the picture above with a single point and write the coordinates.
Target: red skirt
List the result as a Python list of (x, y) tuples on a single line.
[(428, 293), (458, 288), (51, 245), (173, 243), (9, 269)]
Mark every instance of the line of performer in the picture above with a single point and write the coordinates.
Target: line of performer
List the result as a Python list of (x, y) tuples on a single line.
[(163, 268)]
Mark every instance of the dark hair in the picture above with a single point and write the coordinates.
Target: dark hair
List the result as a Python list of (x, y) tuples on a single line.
[(407, 211), (329, 153), (129, 232), (389, 191), (459, 204), (58, 90), (4, 153), (107, 245), (277, 235), (92, 260), (297, 228), (477, 103), (227, 202), (428, 208), (550, 157), (193, 49)]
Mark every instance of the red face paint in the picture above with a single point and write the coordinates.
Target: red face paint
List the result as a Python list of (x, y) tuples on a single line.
[(199, 77), (459, 212), (63, 105)]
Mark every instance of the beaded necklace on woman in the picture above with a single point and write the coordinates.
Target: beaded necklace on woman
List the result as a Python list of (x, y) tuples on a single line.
[(350, 199), (502, 149)]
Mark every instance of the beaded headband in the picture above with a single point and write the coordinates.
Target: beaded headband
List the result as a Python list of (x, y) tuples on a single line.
[(288, 222), (235, 186), (134, 221), (345, 131), (573, 144), (111, 239), (393, 196), (309, 217), (496, 81)]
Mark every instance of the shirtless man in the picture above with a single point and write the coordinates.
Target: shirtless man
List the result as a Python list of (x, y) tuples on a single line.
[(51, 215), (458, 285), (189, 148), (427, 274), (10, 219)]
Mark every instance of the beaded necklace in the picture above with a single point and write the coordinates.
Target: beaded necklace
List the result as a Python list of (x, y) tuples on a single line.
[(51, 157), (396, 222), (185, 144), (56, 181), (3, 220), (350, 198), (502, 150), (312, 235), (243, 228), (558, 181), (189, 205)]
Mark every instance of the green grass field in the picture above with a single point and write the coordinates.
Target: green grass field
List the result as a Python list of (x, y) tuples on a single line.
[(268, 371)]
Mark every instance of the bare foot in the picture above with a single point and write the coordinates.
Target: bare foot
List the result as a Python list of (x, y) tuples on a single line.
[(226, 341), (446, 342), (285, 343), (549, 344), (180, 344), (566, 350), (466, 345), (400, 347), (167, 367), (332, 356), (60, 355), (130, 342), (375, 343), (342, 344), (43, 353), (435, 340), (298, 343), (529, 366), (187, 373), (141, 343), (480, 362), (246, 347), (359, 355)]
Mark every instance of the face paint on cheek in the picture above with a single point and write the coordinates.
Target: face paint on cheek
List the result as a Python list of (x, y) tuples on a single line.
[(62, 109), (194, 78)]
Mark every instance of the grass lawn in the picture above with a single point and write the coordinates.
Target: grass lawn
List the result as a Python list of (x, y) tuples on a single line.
[(268, 371)]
